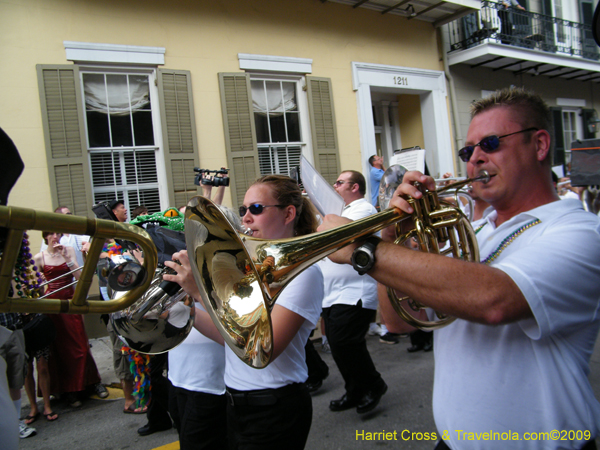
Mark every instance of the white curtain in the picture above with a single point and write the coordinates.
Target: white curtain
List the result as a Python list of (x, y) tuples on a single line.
[(117, 95), (267, 97)]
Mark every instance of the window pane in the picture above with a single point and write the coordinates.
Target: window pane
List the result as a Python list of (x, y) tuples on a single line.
[(293, 126), (289, 95), (140, 167), (277, 123), (106, 169), (98, 132), (107, 196), (262, 128), (139, 92), (142, 128), (121, 131), (145, 197)]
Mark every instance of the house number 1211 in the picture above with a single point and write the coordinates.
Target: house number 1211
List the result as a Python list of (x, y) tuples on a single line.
[(401, 81)]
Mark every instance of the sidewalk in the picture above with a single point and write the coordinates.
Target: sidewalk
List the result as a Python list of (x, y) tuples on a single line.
[(102, 353)]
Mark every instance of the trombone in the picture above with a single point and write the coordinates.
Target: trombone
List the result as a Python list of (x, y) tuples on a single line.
[(131, 277)]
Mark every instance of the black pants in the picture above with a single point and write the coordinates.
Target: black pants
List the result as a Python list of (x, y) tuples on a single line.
[(200, 419), (158, 410), (317, 368), (346, 327), (270, 419)]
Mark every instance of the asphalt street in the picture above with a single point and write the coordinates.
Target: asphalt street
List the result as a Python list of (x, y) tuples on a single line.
[(101, 424)]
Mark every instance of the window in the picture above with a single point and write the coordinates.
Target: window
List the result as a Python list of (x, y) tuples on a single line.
[(571, 130), (278, 124), (121, 138)]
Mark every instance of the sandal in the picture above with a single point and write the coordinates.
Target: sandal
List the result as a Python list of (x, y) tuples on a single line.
[(133, 410), (51, 416), (29, 419)]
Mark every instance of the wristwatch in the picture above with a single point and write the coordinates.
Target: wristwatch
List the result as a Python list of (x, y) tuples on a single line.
[(363, 257)]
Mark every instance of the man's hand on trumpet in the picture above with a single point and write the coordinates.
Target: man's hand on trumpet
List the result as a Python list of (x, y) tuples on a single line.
[(405, 190)]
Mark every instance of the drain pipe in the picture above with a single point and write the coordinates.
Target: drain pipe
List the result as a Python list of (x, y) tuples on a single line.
[(458, 140)]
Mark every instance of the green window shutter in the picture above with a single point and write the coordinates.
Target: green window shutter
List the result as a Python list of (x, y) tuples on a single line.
[(179, 134), (64, 136), (558, 153), (322, 124), (240, 134)]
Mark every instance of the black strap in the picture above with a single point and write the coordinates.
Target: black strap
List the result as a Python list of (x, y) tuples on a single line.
[(262, 397)]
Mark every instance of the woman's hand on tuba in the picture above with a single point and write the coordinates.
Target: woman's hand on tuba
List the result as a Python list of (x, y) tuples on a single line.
[(184, 277)]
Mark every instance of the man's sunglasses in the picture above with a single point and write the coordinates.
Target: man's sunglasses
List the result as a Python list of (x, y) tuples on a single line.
[(488, 144), (340, 182), (255, 209)]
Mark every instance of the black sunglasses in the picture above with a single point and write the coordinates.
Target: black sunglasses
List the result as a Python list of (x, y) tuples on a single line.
[(488, 144), (255, 209)]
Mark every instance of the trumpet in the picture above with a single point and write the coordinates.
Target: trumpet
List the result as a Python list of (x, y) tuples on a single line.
[(240, 277)]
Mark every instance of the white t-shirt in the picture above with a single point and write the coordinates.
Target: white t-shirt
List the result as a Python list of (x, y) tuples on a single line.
[(304, 296), (198, 364), (528, 376), (343, 285)]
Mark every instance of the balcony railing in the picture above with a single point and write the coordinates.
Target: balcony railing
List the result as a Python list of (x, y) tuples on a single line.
[(523, 29)]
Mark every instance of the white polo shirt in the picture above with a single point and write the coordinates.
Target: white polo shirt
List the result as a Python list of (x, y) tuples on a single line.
[(343, 285), (529, 376)]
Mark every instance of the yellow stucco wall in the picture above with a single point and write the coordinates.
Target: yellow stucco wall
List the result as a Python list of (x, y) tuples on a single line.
[(205, 38)]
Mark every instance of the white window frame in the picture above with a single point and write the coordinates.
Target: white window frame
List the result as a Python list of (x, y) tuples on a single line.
[(305, 143), (156, 123)]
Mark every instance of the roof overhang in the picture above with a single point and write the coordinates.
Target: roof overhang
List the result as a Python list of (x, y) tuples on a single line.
[(438, 12), (502, 57)]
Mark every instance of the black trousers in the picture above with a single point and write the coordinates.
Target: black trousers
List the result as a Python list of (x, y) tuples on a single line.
[(346, 327), (158, 410), (200, 419), (317, 368), (269, 419)]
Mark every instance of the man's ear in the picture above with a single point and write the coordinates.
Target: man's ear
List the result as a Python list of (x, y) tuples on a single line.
[(543, 141), (355, 187)]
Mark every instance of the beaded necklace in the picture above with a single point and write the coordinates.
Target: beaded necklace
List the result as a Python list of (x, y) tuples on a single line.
[(27, 276), (507, 240)]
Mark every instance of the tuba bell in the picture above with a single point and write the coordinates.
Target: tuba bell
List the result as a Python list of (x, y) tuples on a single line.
[(159, 320), (240, 277)]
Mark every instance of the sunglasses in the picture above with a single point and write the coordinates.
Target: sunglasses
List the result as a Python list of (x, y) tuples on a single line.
[(340, 182), (255, 209), (488, 144)]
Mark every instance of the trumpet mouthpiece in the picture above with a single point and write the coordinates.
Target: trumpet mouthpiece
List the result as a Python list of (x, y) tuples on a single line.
[(483, 176)]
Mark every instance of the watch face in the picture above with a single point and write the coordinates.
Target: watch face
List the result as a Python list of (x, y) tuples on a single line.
[(362, 259)]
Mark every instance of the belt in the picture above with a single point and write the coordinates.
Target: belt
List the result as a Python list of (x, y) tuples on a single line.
[(262, 397)]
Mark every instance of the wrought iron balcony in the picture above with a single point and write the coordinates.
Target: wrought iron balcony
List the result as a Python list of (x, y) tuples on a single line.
[(522, 29)]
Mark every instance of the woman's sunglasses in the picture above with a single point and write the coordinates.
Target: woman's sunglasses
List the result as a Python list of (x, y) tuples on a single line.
[(488, 144), (255, 209)]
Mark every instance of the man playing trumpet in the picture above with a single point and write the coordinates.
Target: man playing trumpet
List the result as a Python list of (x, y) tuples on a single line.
[(515, 363)]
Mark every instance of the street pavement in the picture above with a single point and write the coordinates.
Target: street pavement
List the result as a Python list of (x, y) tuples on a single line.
[(101, 424)]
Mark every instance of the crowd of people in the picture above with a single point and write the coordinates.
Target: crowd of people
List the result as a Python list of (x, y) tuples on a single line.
[(516, 358)]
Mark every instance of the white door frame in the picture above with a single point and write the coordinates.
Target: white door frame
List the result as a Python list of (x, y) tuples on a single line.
[(430, 85)]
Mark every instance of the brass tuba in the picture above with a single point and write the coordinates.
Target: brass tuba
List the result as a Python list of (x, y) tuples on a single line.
[(240, 277)]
